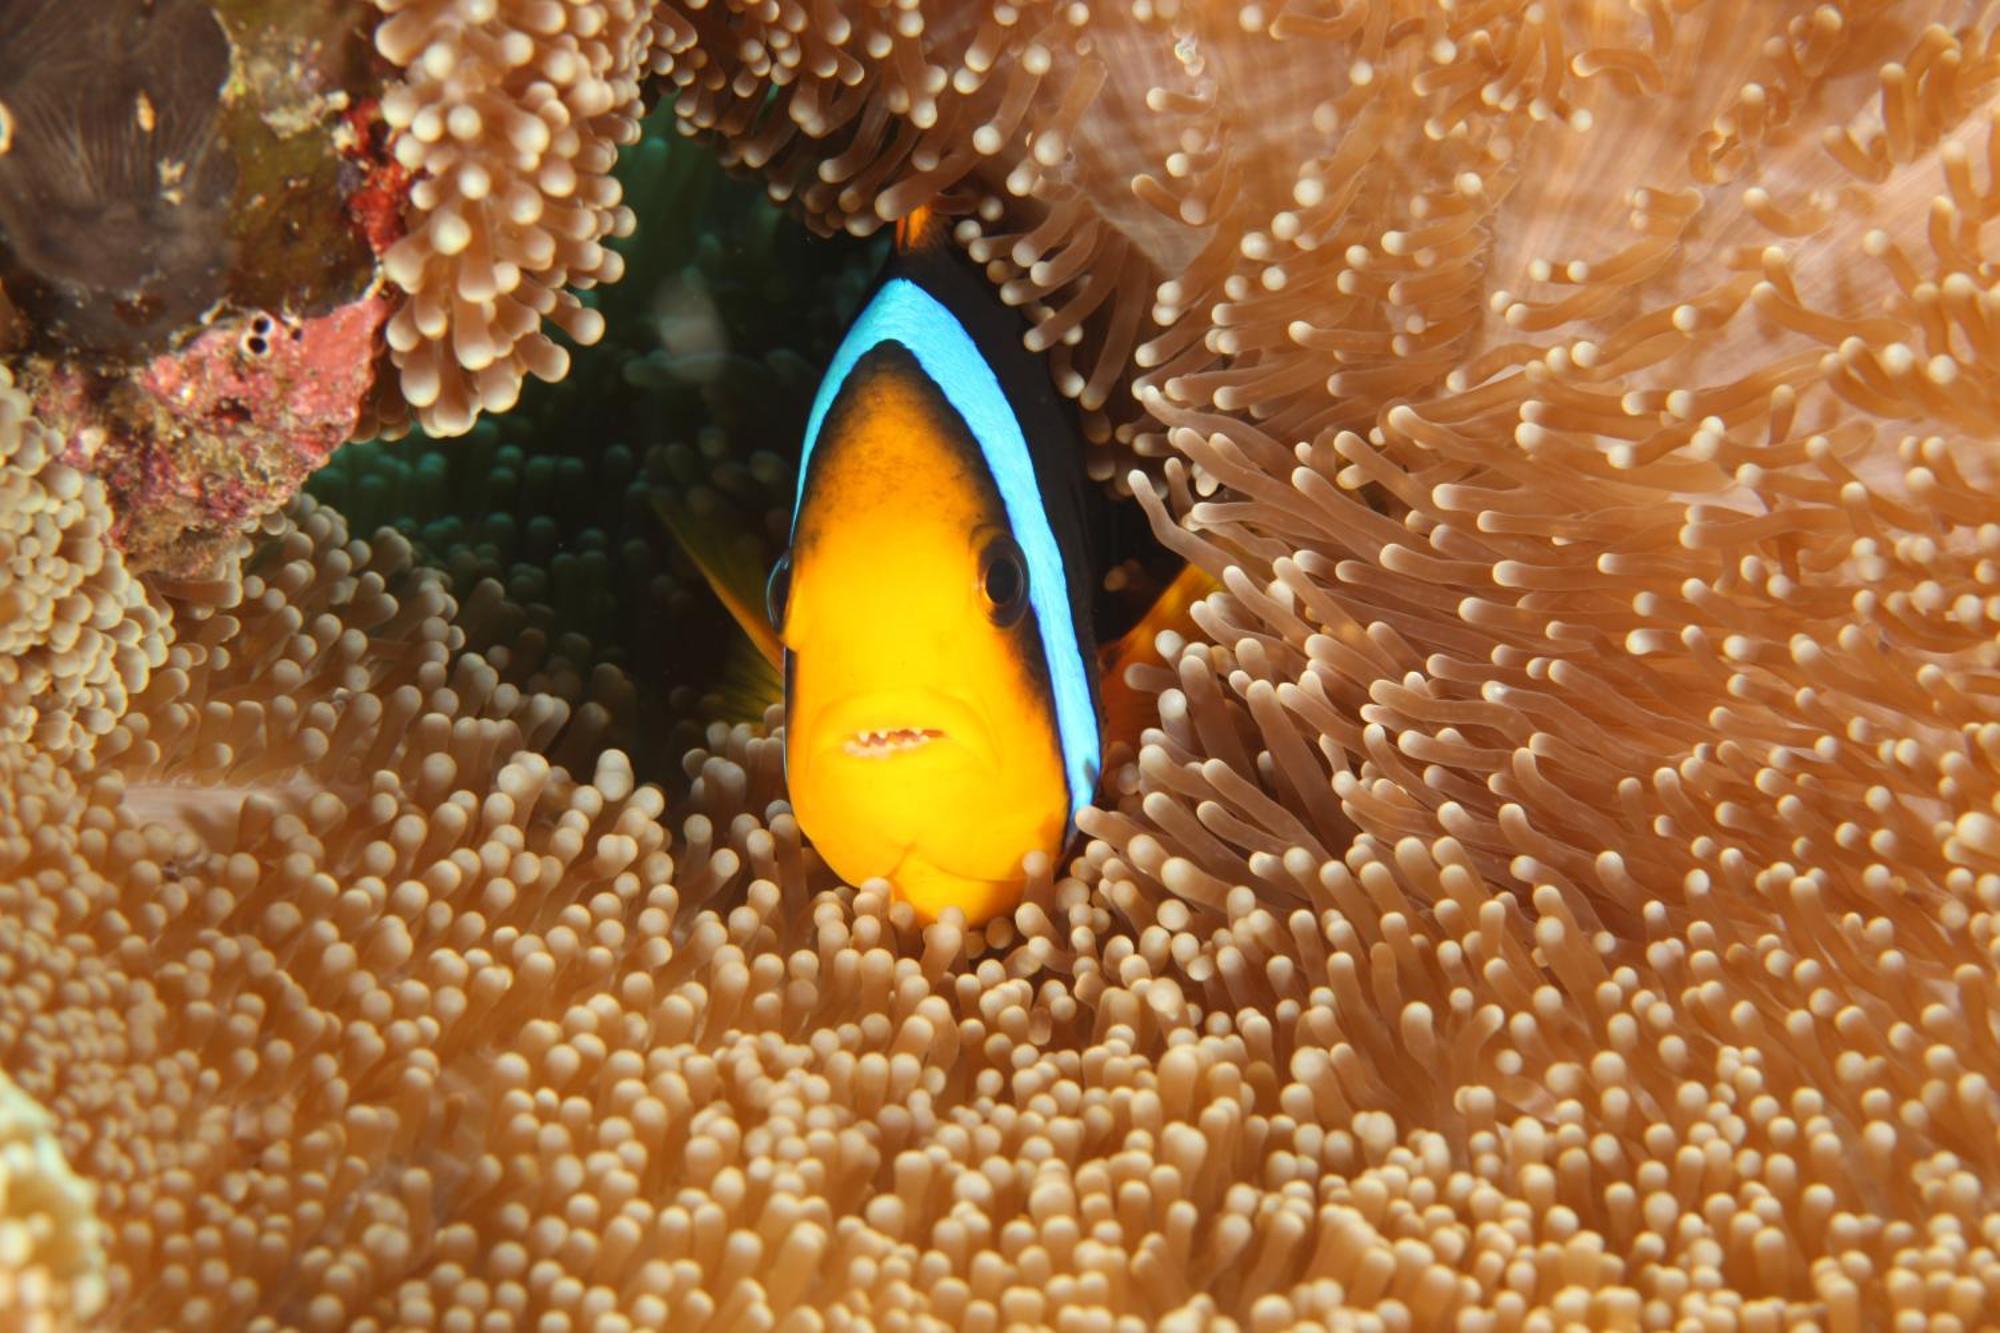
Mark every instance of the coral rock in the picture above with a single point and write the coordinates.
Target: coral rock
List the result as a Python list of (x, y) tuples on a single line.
[(114, 192), (200, 443), (188, 292)]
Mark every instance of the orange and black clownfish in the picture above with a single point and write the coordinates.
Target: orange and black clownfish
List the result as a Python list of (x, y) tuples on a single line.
[(935, 615)]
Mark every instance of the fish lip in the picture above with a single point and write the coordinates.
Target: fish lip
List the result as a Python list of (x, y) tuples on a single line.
[(836, 727)]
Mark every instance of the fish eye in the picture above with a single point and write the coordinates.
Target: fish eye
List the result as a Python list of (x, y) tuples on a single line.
[(777, 589), (1003, 578)]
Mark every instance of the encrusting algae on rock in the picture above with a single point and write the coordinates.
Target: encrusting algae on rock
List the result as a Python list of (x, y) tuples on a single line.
[(1558, 891)]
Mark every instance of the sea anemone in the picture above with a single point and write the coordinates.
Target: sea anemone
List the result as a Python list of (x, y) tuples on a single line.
[(1558, 889), (51, 1250), (512, 113), (77, 633)]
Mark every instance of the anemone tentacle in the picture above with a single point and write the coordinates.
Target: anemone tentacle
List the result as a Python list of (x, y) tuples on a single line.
[(1559, 889)]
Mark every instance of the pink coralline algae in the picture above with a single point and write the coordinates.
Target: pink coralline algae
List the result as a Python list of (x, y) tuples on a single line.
[(299, 378), (197, 443)]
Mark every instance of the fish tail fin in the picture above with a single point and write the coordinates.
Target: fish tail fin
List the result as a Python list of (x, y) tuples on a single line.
[(753, 672), (1125, 706)]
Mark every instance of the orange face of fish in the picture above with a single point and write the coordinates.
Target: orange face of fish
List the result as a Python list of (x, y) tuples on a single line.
[(921, 745)]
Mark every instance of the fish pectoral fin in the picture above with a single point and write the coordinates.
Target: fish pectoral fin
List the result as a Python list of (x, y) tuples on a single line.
[(1125, 709), (1172, 609), (919, 229), (751, 683), (735, 574)]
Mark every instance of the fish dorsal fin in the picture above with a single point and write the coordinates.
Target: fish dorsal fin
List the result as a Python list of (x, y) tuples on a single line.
[(1126, 708), (736, 577)]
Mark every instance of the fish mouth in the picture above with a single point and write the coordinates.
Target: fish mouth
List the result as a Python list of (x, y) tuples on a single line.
[(881, 727), (882, 744)]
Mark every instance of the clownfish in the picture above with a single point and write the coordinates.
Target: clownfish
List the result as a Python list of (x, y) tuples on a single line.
[(935, 614)]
